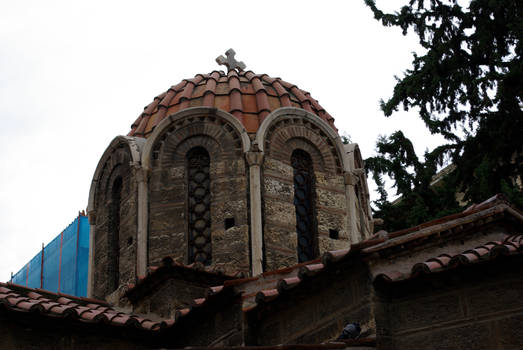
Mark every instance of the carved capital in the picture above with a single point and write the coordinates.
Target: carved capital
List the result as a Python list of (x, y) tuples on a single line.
[(140, 173), (254, 158), (358, 171), (350, 178)]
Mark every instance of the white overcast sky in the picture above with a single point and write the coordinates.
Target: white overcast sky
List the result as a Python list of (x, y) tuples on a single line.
[(73, 75)]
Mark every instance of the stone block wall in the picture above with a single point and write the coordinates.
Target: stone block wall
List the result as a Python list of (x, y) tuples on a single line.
[(162, 302), (218, 324), (476, 308), (168, 194), (316, 311)]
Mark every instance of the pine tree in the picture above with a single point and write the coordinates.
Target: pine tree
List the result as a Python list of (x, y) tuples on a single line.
[(468, 87)]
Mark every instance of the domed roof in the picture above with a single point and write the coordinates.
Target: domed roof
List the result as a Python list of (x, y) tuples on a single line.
[(249, 97)]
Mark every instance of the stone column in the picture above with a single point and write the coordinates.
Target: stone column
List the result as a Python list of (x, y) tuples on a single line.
[(254, 160), (142, 177), (350, 194), (90, 268)]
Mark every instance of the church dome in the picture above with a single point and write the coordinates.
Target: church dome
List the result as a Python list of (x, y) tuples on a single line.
[(248, 96)]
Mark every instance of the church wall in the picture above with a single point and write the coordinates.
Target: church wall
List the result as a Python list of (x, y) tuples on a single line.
[(279, 213), (217, 324), (476, 307), (116, 166), (174, 294), (168, 193), (317, 311)]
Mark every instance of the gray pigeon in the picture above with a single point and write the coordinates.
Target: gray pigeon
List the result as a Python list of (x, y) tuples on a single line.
[(351, 331)]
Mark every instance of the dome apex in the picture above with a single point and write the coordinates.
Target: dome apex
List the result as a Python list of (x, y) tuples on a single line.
[(248, 96)]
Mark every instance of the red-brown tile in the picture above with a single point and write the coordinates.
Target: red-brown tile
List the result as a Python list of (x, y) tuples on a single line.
[(249, 104)]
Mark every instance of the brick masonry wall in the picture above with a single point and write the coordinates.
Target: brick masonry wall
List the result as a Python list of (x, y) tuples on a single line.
[(479, 307), (168, 224), (118, 165)]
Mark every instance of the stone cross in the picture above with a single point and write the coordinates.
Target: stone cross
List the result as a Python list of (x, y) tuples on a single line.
[(230, 62)]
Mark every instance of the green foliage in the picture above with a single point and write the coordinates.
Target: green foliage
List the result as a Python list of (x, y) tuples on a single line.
[(468, 87), (420, 201)]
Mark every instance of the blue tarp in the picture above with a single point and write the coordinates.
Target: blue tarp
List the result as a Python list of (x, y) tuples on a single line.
[(65, 262), (34, 271), (83, 258), (21, 276), (52, 264)]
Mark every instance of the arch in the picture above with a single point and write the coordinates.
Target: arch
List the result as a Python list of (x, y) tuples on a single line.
[(304, 194), (353, 156), (183, 117), (199, 242), (285, 130), (135, 146), (165, 157), (122, 153), (175, 149), (324, 130)]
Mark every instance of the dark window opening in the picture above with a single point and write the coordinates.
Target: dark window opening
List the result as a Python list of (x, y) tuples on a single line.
[(334, 234), (199, 204), (304, 204), (130, 241), (229, 222), (113, 241)]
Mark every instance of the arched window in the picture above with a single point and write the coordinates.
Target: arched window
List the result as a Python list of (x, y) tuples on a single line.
[(304, 204), (113, 240), (199, 206)]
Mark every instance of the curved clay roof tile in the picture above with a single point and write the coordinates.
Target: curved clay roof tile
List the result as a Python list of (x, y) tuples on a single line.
[(248, 96)]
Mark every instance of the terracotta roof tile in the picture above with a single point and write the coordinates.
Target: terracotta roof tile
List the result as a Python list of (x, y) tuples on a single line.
[(288, 283), (249, 97), (267, 295), (485, 252), (486, 212), (310, 270), (24, 299)]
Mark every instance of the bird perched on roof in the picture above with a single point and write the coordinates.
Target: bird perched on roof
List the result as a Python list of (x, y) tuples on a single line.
[(350, 331)]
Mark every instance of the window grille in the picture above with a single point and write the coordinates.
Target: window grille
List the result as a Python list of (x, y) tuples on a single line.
[(199, 203), (304, 204)]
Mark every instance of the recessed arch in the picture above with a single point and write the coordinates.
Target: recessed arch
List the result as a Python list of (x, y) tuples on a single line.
[(120, 159), (292, 114), (134, 146), (187, 116)]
